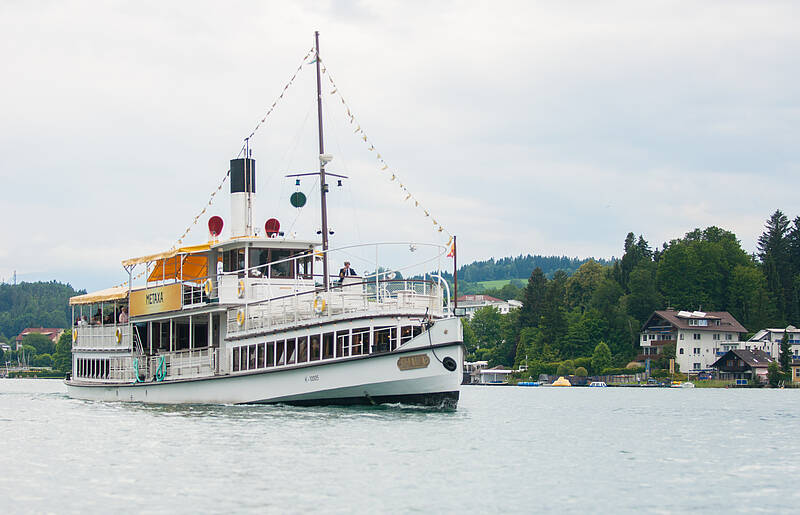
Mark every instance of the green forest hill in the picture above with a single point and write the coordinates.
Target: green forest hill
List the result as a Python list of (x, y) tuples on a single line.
[(567, 321)]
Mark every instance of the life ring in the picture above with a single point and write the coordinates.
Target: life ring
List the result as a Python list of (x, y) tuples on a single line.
[(319, 304), (118, 335), (207, 286), (240, 317), (74, 336), (240, 291)]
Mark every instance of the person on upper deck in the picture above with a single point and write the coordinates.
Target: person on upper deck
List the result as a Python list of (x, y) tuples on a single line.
[(346, 272), (123, 315)]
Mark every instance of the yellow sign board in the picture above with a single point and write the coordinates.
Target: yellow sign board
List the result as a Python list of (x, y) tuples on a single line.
[(155, 300)]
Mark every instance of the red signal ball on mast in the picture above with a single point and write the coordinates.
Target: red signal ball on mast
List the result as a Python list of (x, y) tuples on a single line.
[(215, 225), (272, 227)]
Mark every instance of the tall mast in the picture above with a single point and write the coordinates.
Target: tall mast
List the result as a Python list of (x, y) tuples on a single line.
[(323, 187)]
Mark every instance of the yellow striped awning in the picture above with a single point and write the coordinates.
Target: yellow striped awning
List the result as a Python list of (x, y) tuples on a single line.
[(167, 254), (115, 293)]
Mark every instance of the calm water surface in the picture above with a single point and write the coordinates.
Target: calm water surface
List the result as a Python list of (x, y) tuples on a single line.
[(506, 449)]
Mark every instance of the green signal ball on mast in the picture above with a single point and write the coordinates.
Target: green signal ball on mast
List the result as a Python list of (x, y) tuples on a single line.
[(298, 199)]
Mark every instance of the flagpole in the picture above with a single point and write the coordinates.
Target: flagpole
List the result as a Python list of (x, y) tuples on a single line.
[(455, 274), (323, 187)]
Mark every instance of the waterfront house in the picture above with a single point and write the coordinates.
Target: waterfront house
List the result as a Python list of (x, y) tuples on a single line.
[(472, 303), (700, 338), (50, 332), (796, 370), (496, 375), (769, 341), (472, 371), (743, 364)]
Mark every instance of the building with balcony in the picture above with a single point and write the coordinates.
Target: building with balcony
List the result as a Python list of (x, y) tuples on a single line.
[(769, 341), (700, 338), (472, 303), (743, 364)]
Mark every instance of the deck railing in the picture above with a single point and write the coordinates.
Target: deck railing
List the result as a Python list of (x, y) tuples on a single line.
[(353, 296), (103, 337)]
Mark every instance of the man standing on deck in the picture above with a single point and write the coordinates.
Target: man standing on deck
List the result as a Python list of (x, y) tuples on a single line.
[(346, 271)]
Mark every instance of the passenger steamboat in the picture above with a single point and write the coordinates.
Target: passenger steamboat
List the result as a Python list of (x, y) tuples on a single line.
[(252, 319)]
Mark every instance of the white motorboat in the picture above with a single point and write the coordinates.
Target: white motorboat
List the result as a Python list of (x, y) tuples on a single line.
[(252, 319)]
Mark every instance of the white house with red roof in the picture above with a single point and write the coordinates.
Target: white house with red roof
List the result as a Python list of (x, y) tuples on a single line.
[(700, 338), (51, 332), (472, 303)]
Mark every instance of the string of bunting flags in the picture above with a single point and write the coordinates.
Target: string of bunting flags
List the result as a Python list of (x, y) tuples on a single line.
[(252, 133), (384, 166), (228, 173)]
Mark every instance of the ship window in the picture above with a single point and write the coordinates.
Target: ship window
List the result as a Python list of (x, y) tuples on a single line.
[(291, 351), (281, 270), (280, 355), (360, 341), (271, 354), (416, 331), (315, 347), (405, 334), (199, 335), (342, 343), (260, 357), (233, 260), (182, 336), (252, 358), (304, 266), (385, 339), (236, 351), (327, 346), (258, 262), (302, 349)]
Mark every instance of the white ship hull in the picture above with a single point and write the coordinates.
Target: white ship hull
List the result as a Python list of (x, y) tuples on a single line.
[(371, 379)]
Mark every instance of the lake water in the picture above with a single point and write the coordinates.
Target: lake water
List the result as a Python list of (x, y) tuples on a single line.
[(506, 449)]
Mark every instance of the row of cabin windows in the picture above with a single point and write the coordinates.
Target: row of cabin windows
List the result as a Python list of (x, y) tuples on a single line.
[(703, 322), (696, 336), (93, 368), (233, 261), (334, 344), (660, 336)]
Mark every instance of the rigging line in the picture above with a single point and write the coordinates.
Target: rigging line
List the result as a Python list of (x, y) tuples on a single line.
[(285, 161), (258, 125), (280, 97), (302, 209), (348, 190), (290, 151), (439, 227)]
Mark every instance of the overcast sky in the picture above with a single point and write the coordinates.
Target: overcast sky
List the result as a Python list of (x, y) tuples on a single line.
[(524, 127)]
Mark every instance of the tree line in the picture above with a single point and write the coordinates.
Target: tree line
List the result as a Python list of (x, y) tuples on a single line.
[(519, 267), (565, 317), (38, 304)]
